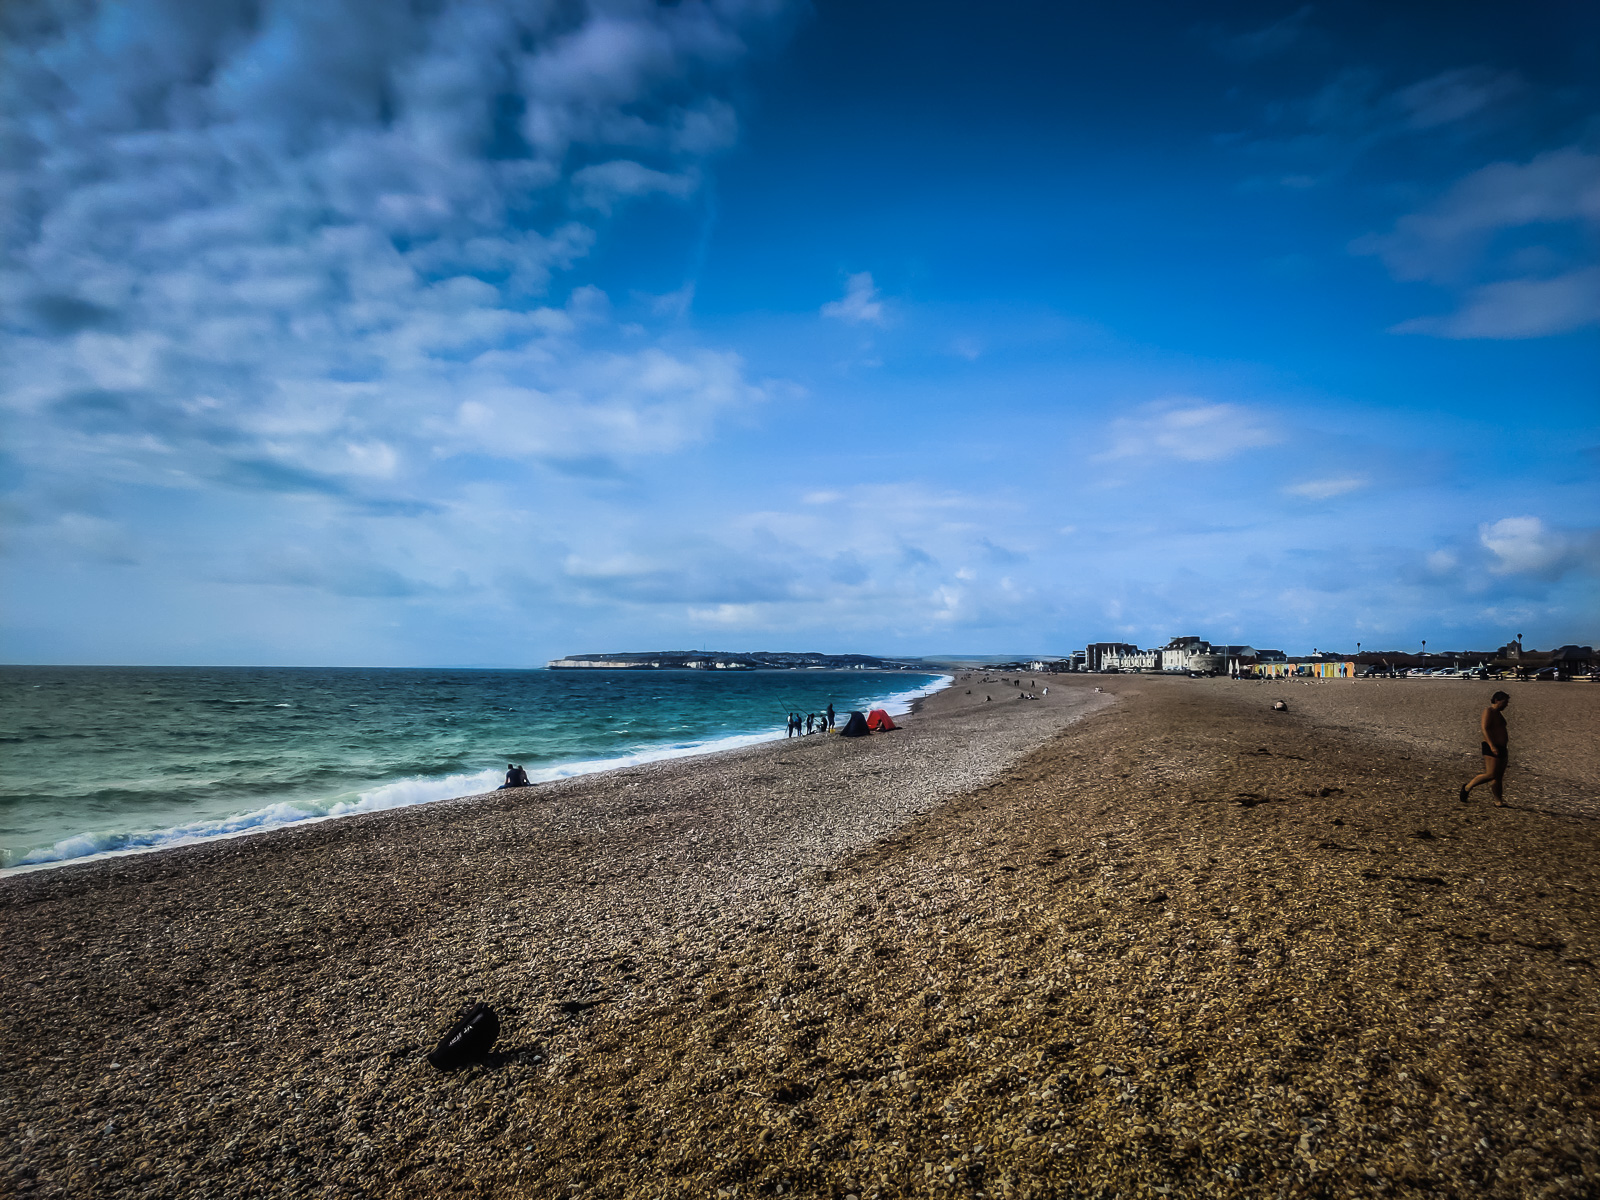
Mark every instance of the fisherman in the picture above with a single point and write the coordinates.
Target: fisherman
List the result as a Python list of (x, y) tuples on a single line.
[(811, 720), (829, 724)]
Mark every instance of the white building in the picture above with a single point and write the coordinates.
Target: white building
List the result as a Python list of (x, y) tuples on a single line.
[(1192, 654), (1131, 659)]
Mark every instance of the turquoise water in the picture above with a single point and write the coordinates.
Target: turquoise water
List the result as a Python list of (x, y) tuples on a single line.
[(97, 760)]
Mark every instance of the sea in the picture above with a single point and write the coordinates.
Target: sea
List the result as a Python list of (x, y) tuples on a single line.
[(98, 761)]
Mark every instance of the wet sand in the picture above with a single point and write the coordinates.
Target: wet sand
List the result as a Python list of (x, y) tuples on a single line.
[(1171, 940)]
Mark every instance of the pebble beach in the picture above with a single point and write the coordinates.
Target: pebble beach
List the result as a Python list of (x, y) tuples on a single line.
[(1144, 936)]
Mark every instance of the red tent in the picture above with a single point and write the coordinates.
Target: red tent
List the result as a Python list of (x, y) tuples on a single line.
[(878, 721)]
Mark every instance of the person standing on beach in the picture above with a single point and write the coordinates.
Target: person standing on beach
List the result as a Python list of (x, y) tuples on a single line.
[(811, 720), (1495, 747), (829, 725)]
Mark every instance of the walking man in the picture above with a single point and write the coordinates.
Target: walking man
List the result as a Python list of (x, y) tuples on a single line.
[(1495, 749)]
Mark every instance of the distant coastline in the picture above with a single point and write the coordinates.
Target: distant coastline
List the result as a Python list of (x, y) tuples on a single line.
[(718, 660)]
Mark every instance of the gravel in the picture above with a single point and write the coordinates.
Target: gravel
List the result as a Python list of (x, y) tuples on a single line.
[(1150, 940)]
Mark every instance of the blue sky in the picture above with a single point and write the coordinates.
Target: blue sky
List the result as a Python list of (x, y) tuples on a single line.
[(485, 333)]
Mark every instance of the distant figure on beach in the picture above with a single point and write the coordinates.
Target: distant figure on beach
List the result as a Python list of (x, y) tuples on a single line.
[(515, 777), (1495, 748), (811, 720), (829, 723)]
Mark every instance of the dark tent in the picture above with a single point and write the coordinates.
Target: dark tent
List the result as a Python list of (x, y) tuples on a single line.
[(856, 726), (878, 721)]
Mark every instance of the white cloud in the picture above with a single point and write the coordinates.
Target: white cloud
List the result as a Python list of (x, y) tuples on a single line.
[(1524, 545), (728, 616), (1190, 430), (1326, 489), (1268, 41), (1453, 243), (860, 304), (604, 184), (1519, 308), (309, 248), (1455, 95)]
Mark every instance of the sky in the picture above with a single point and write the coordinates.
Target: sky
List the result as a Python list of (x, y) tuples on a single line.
[(341, 332)]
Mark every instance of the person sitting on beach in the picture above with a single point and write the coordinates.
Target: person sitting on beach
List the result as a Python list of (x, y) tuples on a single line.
[(511, 775), (1495, 747)]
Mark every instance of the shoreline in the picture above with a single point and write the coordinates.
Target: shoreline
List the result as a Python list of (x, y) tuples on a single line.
[(1155, 937), (598, 795), (173, 837)]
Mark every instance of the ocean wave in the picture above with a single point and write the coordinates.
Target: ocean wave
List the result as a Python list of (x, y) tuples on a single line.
[(900, 703), (401, 793)]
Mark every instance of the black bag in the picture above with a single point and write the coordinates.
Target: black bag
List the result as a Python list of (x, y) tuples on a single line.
[(469, 1038)]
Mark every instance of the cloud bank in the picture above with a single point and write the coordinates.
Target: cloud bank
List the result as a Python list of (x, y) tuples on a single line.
[(1482, 236), (310, 248)]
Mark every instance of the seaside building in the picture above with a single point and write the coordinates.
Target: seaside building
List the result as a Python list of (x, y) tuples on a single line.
[(1561, 664), (1186, 654), (1095, 653), (1191, 654), (1194, 655), (1132, 659)]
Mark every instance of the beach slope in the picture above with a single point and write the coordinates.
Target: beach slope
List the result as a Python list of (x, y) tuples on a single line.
[(1158, 937)]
